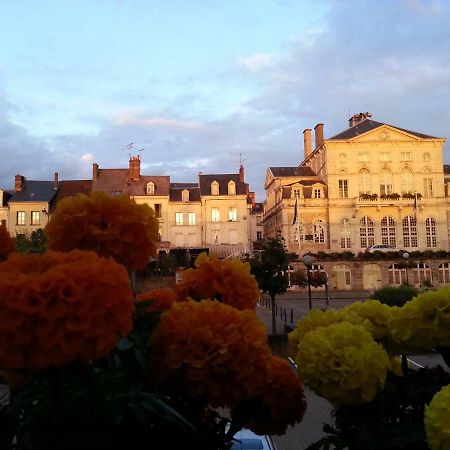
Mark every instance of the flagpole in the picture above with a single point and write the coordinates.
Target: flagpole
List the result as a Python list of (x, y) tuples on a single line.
[(415, 217)]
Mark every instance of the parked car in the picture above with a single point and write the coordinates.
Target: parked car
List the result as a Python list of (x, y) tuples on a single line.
[(382, 248), (246, 440)]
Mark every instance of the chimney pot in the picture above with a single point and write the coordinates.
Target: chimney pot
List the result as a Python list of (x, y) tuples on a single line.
[(241, 173), (358, 118), (318, 129), (56, 180), (307, 142), (135, 168), (19, 182)]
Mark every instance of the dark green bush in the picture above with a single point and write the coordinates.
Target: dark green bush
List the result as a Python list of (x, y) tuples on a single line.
[(394, 296)]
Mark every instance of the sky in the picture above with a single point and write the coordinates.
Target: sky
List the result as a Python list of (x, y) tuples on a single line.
[(204, 85)]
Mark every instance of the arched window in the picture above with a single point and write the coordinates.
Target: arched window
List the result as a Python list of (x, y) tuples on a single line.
[(409, 232), (345, 231), (388, 231), (365, 182), (150, 188), (366, 232), (407, 181), (397, 275), (342, 277), (444, 273), (214, 188), (422, 272), (319, 231), (298, 232), (184, 195), (386, 182), (430, 230), (231, 188)]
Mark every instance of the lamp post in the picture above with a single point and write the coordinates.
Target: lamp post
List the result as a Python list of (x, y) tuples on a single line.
[(405, 257), (308, 261)]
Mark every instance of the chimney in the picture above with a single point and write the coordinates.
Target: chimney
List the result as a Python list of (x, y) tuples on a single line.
[(94, 172), (19, 182), (318, 129), (241, 173), (135, 168), (56, 181), (307, 142), (358, 118), (251, 195)]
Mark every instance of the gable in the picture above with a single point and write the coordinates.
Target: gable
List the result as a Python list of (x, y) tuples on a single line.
[(385, 133)]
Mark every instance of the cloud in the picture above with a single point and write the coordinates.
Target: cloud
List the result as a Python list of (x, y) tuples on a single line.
[(157, 122), (256, 63)]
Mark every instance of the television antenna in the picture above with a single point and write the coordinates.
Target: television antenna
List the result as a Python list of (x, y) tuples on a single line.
[(129, 147), (140, 150)]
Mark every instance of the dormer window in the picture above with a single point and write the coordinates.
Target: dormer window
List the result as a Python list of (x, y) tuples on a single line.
[(150, 188), (231, 188), (214, 188), (184, 195)]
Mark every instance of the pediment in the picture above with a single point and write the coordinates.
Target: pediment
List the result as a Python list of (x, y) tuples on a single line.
[(385, 133)]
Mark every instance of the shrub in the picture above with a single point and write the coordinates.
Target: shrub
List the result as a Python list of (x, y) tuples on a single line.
[(394, 296)]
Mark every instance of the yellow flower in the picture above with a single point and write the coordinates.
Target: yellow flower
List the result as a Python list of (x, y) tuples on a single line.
[(342, 363), (111, 226), (422, 323), (210, 349), (226, 280), (7, 245), (61, 307), (437, 420)]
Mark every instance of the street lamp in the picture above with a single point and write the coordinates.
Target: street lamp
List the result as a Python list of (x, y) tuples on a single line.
[(405, 257), (308, 261)]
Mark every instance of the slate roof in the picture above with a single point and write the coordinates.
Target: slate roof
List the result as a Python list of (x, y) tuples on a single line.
[(292, 171), (177, 188), (69, 188), (446, 169), (6, 196), (307, 182), (223, 179), (257, 208), (368, 125), (117, 180), (35, 191)]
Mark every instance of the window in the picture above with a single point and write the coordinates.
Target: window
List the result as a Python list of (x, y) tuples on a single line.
[(185, 195), (231, 188), (298, 232), (297, 193), (319, 231), (386, 182), (407, 182), (345, 232), (179, 218), (363, 157), (158, 210), (35, 218), (215, 214), (365, 183), (406, 156), (409, 232), (444, 273), (232, 214), (150, 188), (428, 187), (366, 232), (20, 218), (385, 157), (214, 188), (317, 193), (388, 235), (430, 230), (343, 188), (426, 156), (191, 218), (259, 235)]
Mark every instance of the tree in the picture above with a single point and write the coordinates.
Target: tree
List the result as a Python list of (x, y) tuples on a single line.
[(270, 270), (36, 242)]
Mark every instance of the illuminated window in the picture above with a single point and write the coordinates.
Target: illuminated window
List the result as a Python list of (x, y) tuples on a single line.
[(179, 218), (35, 218), (191, 218), (20, 218), (215, 214), (150, 188), (232, 214)]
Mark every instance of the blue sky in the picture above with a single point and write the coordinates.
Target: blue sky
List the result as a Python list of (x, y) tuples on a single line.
[(200, 85)]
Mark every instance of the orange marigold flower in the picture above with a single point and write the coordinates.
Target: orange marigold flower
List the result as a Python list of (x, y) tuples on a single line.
[(111, 226), (161, 299), (272, 413), (226, 280), (61, 307), (7, 245), (211, 350)]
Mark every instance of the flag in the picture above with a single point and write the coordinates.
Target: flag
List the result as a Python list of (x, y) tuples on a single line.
[(295, 211), (415, 201)]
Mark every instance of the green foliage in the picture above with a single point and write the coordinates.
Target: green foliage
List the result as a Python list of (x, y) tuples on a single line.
[(395, 296), (167, 263), (35, 243)]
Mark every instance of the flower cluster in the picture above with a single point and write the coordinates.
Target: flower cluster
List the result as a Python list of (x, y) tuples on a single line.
[(437, 420), (111, 226), (160, 299), (342, 363), (422, 323), (7, 245), (227, 280), (61, 307)]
